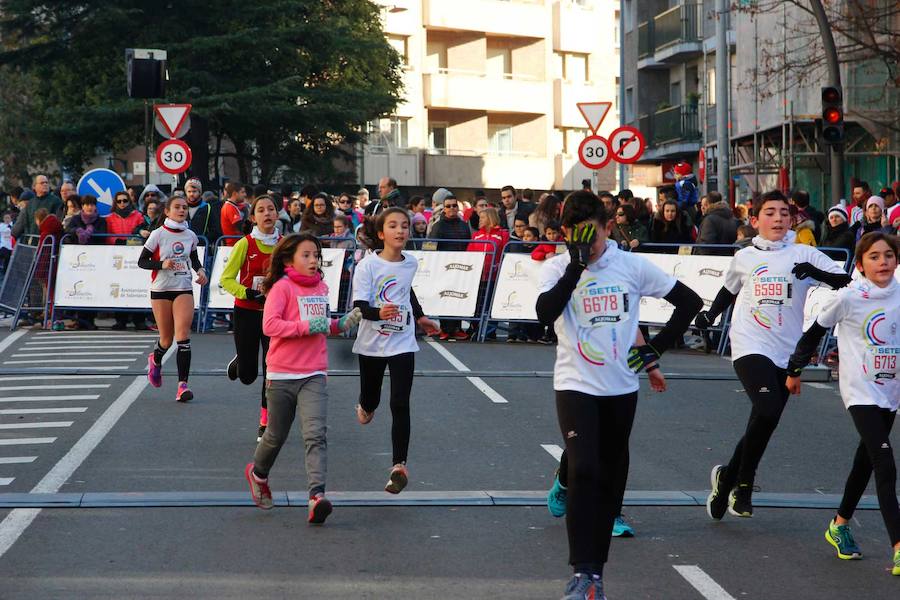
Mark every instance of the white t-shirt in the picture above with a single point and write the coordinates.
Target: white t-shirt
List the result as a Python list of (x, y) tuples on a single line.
[(379, 282), (176, 245), (599, 324), (5, 236), (867, 319), (768, 314)]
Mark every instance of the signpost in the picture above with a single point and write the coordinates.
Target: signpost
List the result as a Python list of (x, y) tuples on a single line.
[(102, 184), (625, 145), (173, 156)]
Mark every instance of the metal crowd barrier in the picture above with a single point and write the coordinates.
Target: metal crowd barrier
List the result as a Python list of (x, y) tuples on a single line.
[(26, 269)]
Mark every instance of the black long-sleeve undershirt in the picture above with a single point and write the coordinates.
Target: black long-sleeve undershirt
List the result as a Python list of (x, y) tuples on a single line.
[(553, 302), (723, 300), (806, 347), (687, 304), (372, 313), (146, 261)]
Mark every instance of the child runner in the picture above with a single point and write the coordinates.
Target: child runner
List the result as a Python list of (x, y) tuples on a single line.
[(592, 294), (244, 272), (170, 253), (296, 320), (867, 315), (382, 290), (770, 280), (556, 497)]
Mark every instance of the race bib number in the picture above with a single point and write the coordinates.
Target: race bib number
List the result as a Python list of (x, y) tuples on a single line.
[(772, 291), (598, 306), (257, 281), (398, 324), (180, 266), (881, 363), (312, 307)]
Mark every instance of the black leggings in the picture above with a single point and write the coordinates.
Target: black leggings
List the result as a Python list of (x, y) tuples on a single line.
[(596, 430), (765, 384), (873, 454), (248, 338), (563, 475), (371, 375)]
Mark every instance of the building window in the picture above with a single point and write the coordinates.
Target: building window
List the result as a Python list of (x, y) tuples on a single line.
[(629, 105), (500, 139), (675, 93), (400, 43), (575, 67), (630, 8), (400, 132), (499, 60), (437, 137), (711, 86), (571, 139)]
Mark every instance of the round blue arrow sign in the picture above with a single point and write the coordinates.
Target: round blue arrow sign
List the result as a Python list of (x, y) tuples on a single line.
[(103, 184)]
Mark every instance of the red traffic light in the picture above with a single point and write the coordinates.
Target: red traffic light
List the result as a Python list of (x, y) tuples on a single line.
[(832, 115), (831, 95)]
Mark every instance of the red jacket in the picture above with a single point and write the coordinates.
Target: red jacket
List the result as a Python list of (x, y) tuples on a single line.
[(499, 236), (124, 225), (543, 252)]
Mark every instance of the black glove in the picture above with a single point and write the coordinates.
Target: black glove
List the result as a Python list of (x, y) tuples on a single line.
[(704, 320), (255, 296), (579, 242), (834, 280), (641, 356)]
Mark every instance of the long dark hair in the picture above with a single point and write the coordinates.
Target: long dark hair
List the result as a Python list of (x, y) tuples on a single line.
[(660, 217), (309, 215), (283, 255), (549, 208)]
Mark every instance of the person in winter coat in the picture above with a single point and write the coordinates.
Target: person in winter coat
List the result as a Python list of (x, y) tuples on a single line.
[(836, 232), (871, 220), (202, 219), (803, 225), (150, 191), (671, 226), (490, 231), (552, 233), (86, 225), (123, 218), (687, 189), (719, 226), (73, 207), (318, 218), (451, 227), (894, 220), (627, 232)]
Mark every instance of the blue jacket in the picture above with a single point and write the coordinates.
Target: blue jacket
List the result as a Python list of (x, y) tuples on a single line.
[(688, 193)]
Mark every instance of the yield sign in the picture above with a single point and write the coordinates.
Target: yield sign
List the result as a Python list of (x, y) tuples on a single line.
[(594, 113), (172, 116)]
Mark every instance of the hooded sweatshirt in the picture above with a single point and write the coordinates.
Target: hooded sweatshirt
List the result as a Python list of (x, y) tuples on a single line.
[(150, 187)]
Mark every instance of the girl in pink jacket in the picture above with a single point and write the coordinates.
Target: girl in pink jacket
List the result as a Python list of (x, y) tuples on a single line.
[(296, 319)]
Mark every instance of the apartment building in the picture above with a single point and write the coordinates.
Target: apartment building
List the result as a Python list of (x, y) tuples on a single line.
[(491, 93), (774, 104)]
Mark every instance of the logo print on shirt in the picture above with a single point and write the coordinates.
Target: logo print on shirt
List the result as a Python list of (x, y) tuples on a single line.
[(178, 248), (591, 354), (761, 319), (384, 285), (870, 327)]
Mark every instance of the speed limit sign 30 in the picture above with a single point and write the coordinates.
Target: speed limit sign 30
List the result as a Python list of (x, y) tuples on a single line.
[(594, 152), (173, 156)]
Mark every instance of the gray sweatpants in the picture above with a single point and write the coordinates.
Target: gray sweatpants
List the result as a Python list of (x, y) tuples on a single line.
[(283, 398)]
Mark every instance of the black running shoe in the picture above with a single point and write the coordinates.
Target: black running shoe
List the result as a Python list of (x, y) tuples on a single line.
[(717, 502), (260, 432), (740, 502), (232, 368)]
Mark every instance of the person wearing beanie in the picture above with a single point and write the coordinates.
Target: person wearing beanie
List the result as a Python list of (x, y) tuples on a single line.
[(201, 218), (419, 226), (836, 231), (894, 219), (871, 220)]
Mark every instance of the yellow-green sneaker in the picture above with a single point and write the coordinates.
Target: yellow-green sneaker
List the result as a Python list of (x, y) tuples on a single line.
[(840, 537), (896, 569)]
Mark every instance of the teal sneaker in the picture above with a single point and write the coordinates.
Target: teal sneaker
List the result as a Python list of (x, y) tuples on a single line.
[(621, 528), (840, 537), (556, 498), (896, 569)]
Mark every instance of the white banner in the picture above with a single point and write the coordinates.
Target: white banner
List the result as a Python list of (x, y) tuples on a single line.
[(105, 277), (703, 274), (446, 283), (332, 266), (516, 288)]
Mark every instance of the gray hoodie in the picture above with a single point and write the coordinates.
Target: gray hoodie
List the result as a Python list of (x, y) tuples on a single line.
[(150, 187)]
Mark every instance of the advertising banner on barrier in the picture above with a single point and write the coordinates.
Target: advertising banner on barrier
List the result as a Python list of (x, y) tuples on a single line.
[(516, 289), (105, 277), (702, 273), (332, 264), (446, 283)]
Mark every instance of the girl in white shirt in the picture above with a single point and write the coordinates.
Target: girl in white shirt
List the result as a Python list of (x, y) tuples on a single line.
[(770, 280), (867, 316), (382, 290)]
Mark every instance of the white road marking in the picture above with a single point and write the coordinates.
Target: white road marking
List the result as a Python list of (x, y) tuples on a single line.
[(554, 450), (702, 582), (22, 388), (45, 425), (28, 353), (48, 398), (6, 480), (17, 460), (41, 411), (26, 441), (42, 377), (18, 520), (818, 386), (476, 381), (38, 346), (72, 361), (10, 340), (111, 334)]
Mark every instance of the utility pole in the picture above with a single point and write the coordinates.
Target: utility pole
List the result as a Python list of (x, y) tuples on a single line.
[(834, 79), (723, 102), (623, 169)]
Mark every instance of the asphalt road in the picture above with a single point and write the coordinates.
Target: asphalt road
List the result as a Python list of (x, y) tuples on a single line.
[(107, 432)]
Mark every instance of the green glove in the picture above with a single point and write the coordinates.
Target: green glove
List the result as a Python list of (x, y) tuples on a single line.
[(579, 242), (641, 356), (319, 325), (350, 320)]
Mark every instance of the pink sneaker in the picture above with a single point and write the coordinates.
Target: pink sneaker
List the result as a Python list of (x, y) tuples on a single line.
[(259, 489), (362, 416), (398, 480), (319, 509), (154, 372), (184, 394)]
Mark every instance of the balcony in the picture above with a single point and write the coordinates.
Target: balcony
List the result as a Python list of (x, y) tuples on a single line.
[(476, 170), (519, 18), (468, 90), (574, 28), (671, 131), (671, 37)]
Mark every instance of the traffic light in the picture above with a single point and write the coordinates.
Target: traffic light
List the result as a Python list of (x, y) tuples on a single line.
[(832, 115)]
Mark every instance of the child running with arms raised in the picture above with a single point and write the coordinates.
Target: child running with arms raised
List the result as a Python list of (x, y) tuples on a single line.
[(770, 280), (382, 290), (170, 253), (867, 316), (592, 294), (296, 320), (244, 272)]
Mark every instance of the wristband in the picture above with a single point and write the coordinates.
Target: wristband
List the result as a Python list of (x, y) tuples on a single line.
[(652, 368)]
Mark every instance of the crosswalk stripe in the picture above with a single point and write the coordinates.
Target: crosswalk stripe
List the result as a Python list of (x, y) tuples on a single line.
[(41, 411), (17, 460), (48, 398), (26, 441), (46, 425), (29, 354), (6, 480), (66, 377), (72, 361), (22, 388)]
